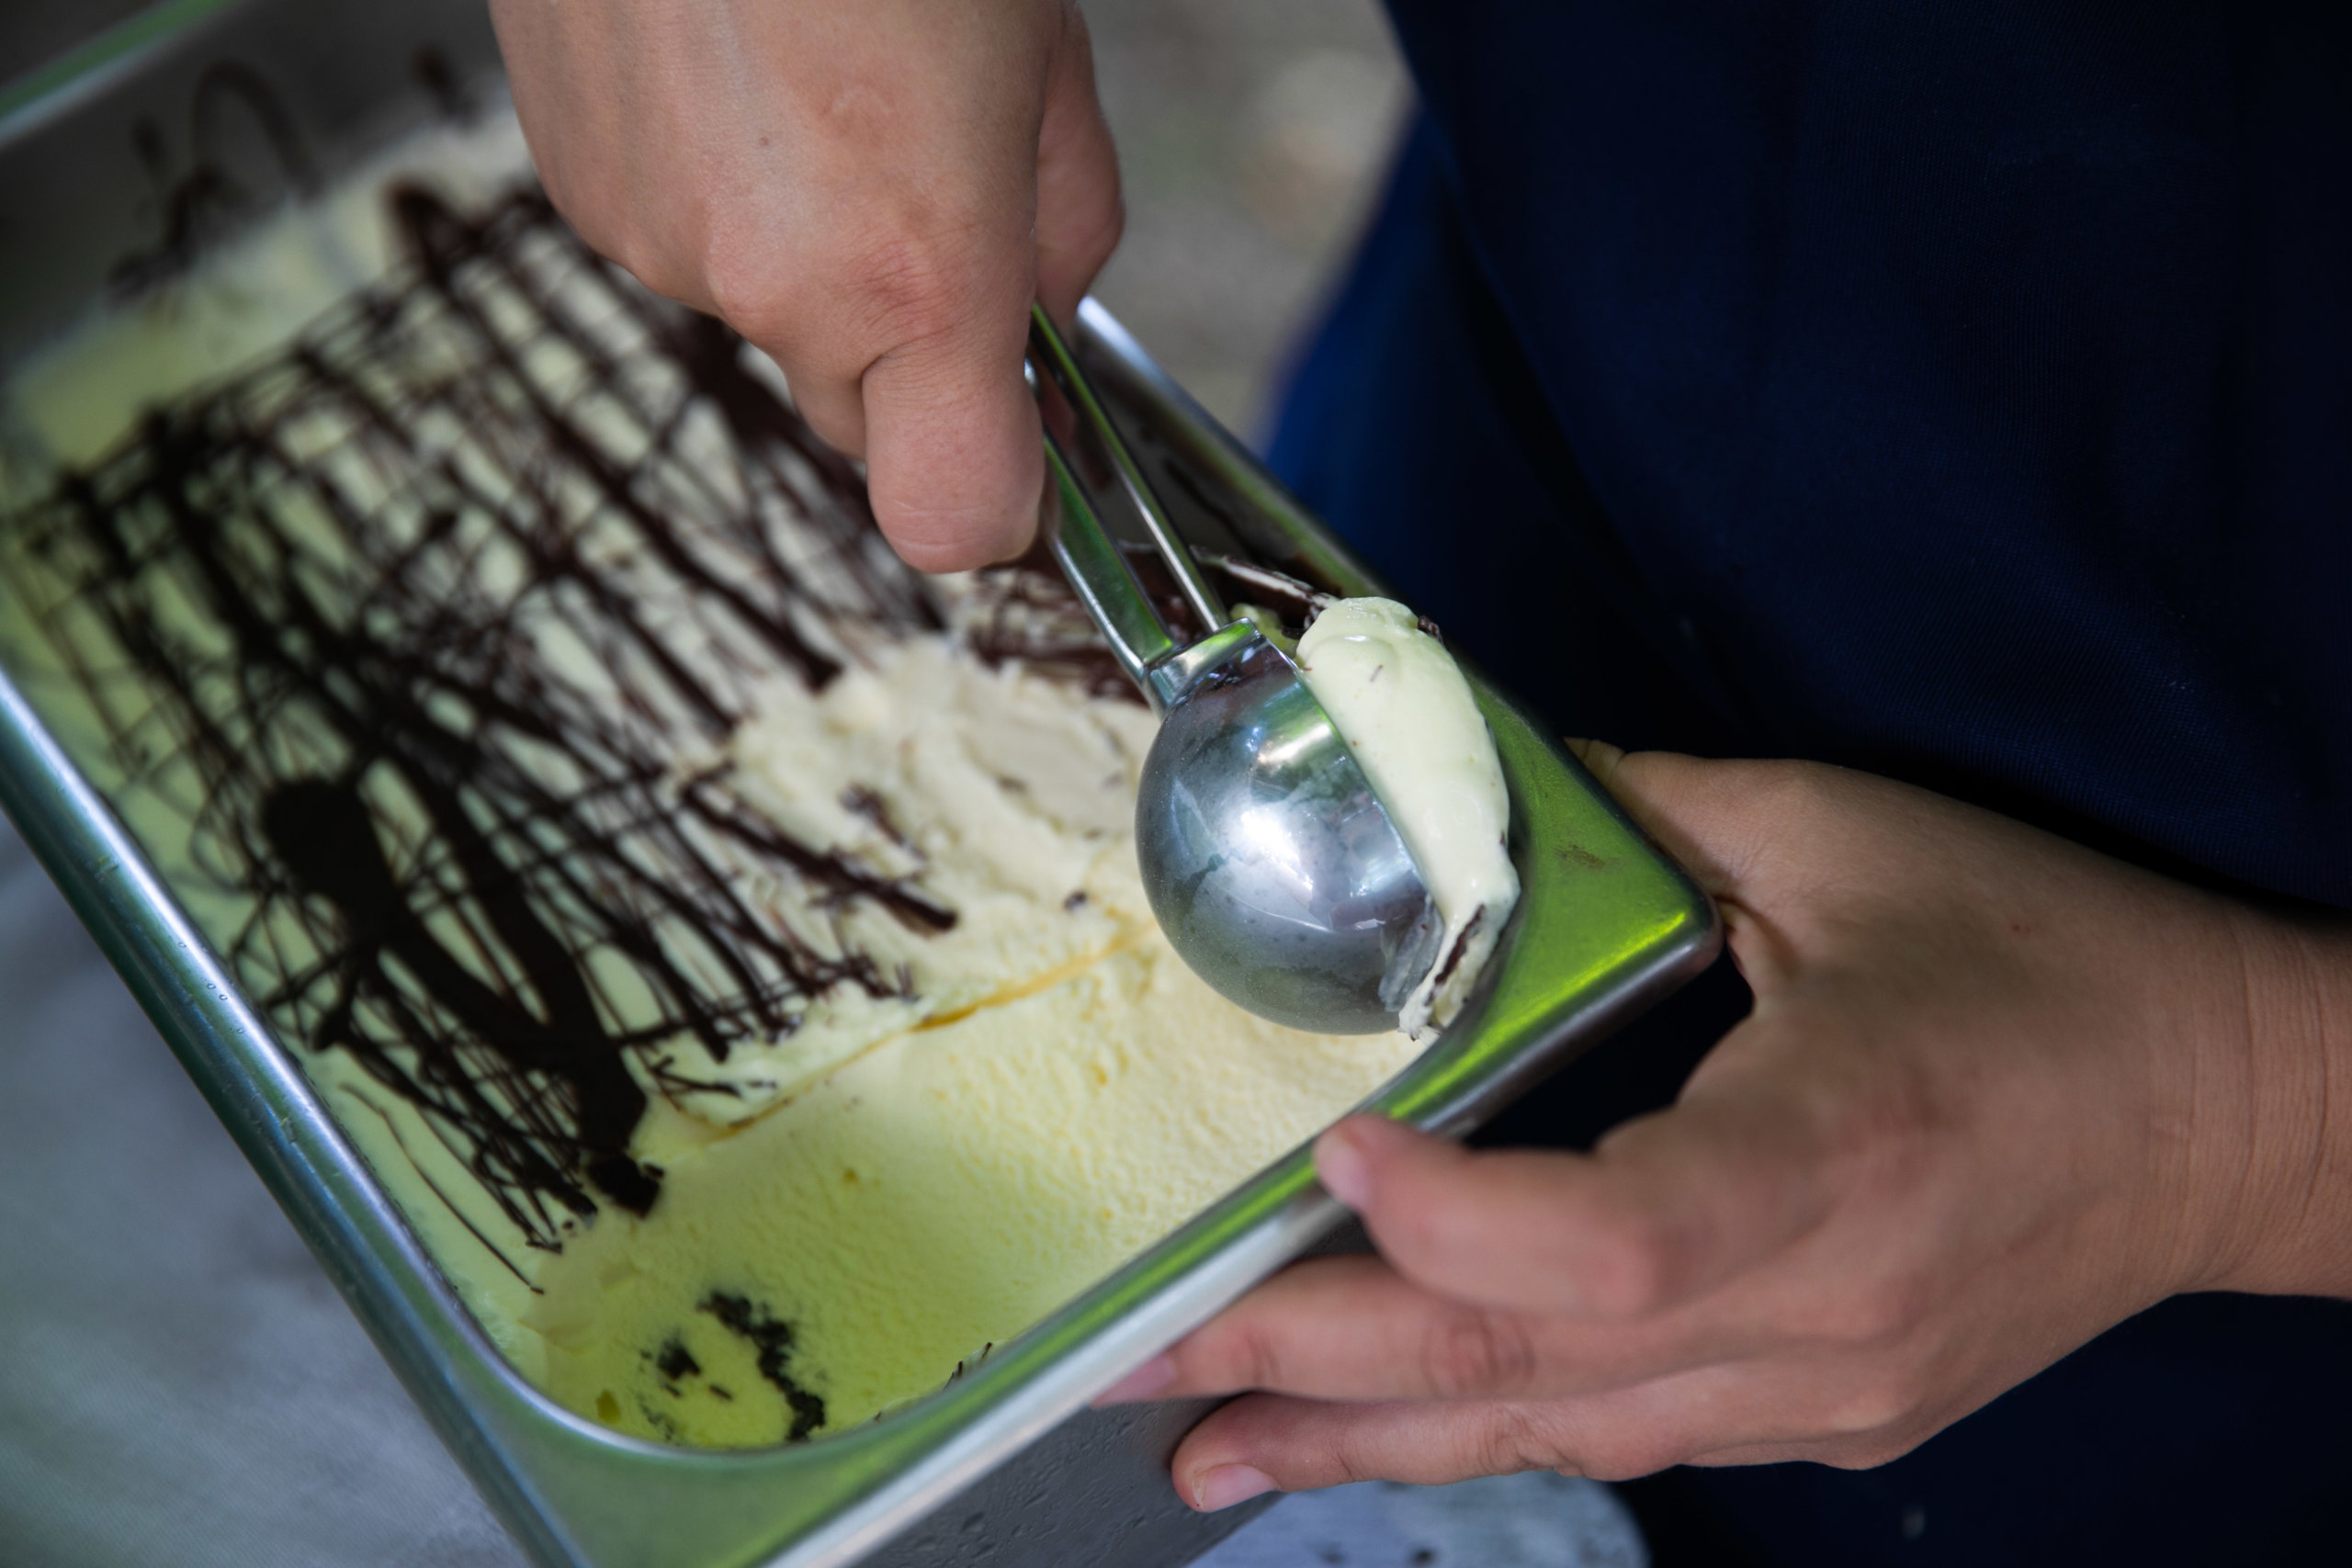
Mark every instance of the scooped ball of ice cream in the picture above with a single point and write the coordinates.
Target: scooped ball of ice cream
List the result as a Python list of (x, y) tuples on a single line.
[(1400, 702)]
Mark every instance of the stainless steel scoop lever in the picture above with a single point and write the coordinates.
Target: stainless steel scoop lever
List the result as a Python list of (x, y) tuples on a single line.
[(1269, 862), (1086, 456)]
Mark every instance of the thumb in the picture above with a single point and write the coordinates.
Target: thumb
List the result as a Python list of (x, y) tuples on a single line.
[(1704, 813)]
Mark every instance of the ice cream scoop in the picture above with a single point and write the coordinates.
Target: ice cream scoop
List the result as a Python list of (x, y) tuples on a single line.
[(1271, 862)]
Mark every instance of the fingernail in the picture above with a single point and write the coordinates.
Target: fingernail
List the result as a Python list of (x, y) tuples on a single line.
[(1143, 1382), (1340, 1165), (1228, 1485)]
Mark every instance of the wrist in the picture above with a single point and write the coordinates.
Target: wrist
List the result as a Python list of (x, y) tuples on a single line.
[(2288, 1228)]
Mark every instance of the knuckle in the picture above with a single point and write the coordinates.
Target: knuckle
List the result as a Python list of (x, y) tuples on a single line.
[(748, 296), (1472, 1351), (1354, 1459), (1253, 1358), (1887, 1315), (1882, 1312), (1629, 1266), (1518, 1437), (919, 283), (1880, 1405)]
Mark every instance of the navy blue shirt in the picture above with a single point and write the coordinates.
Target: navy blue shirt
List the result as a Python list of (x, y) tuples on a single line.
[(1961, 393)]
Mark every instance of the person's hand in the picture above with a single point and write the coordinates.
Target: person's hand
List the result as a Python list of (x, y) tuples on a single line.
[(870, 190), (1997, 1094)]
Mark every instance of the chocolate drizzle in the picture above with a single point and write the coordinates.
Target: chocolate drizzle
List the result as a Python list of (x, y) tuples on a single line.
[(395, 642), (209, 197), (771, 1339), (676, 1363), (1026, 612)]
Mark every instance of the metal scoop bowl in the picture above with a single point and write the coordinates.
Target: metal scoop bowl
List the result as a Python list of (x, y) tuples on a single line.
[(1271, 864)]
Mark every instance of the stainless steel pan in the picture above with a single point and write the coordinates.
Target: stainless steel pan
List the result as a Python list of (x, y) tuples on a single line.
[(1007, 1465)]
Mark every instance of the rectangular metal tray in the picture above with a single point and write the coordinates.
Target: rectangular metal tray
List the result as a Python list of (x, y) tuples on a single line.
[(1007, 1465)]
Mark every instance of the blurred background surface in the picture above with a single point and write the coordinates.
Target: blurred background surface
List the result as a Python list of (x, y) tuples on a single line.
[(1252, 137)]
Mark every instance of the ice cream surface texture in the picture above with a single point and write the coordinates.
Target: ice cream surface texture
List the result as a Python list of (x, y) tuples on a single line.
[(1400, 702), (725, 945), (938, 1194), (1059, 1093)]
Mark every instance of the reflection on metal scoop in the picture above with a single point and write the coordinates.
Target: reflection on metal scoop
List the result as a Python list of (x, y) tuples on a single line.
[(1270, 863)]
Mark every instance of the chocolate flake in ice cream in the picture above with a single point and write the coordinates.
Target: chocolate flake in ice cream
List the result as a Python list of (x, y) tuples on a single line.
[(725, 943)]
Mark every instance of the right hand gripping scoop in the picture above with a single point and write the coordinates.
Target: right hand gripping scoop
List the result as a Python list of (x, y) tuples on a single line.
[(1271, 866)]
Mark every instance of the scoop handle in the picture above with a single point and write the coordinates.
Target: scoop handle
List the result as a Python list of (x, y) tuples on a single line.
[(1101, 576), (1085, 450)]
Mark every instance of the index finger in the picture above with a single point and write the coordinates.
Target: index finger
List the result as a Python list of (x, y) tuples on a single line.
[(1667, 1206), (1351, 1328)]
